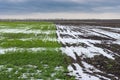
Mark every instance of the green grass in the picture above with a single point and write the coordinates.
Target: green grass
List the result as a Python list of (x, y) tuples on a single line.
[(31, 25), (20, 59), (45, 61), (43, 27), (24, 35), (28, 43)]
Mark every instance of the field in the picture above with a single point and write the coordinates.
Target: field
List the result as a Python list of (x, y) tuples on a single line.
[(47, 51), (94, 51), (30, 51)]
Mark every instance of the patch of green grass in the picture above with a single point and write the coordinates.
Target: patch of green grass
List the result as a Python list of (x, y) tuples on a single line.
[(16, 35), (43, 27), (24, 35), (28, 43), (32, 25), (18, 59)]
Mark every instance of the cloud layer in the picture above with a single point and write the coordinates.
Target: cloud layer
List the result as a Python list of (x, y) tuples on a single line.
[(22, 7)]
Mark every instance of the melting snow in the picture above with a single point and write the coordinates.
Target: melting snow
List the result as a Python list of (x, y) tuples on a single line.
[(4, 50), (27, 31), (72, 49)]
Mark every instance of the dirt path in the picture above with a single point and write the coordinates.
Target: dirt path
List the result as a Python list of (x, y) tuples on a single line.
[(94, 51)]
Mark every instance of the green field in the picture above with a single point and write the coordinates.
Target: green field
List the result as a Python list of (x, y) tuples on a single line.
[(30, 51)]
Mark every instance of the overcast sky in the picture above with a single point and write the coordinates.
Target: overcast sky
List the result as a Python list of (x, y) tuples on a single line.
[(67, 9)]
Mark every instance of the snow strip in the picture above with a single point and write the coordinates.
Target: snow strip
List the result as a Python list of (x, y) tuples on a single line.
[(27, 31), (3, 50), (111, 34)]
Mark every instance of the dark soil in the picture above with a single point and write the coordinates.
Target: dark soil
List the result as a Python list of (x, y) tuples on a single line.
[(106, 65), (112, 47)]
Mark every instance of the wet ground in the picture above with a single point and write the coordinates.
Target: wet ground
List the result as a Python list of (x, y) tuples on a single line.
[(94, 51)]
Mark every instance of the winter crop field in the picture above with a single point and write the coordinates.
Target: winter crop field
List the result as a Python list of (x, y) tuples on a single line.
[(47, 51), (30, 51)]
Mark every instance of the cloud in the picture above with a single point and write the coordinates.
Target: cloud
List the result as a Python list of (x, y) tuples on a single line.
[(54, 6), (113, 9), (13, 1), (86, 1), (15, 7)]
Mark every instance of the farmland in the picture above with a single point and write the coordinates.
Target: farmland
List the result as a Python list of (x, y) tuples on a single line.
[(94, 51), (63, 51), (30, 51)]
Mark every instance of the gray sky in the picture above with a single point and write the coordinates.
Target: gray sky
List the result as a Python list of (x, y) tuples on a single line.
[(65, 9)]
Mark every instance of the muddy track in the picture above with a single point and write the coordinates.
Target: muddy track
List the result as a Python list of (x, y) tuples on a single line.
[(94, 51)]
